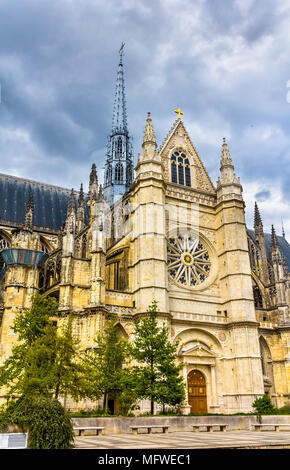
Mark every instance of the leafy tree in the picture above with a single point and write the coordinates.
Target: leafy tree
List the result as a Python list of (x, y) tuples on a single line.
[(45, 361), (105, 365), (31, 326), (157, 377)]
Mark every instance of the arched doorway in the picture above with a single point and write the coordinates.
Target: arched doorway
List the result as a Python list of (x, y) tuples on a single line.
[(197, 392)]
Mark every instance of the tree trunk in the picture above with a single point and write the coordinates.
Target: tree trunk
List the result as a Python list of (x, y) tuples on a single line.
[(106, 397)]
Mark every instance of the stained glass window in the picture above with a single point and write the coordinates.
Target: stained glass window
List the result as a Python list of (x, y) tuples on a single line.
[(180, 169), (188, 260), (119, 173)]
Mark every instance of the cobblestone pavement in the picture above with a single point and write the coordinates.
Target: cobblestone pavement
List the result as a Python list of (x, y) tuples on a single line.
[(187, 440)]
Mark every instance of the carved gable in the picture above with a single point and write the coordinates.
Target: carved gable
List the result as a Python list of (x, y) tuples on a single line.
[(197, 350), (177, 139)]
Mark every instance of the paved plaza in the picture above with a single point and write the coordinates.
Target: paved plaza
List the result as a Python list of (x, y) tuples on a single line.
[(187, 440)]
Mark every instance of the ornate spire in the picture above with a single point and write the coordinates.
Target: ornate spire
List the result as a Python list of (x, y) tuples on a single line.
[(119, 123), (28, 220)]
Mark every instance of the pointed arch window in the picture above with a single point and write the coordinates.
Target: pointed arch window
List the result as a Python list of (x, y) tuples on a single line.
[(119, 147), (180, 169), (119, 173), (109, 175)]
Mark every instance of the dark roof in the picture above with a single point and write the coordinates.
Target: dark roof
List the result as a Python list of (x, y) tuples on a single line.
[(50, 202), (283, 244)]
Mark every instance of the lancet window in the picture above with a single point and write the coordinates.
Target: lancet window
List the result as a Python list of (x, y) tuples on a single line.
[(180, 169), (119, 173), (119, 147)]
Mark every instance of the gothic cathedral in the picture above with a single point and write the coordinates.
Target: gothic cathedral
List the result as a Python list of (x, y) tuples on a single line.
[(167, 234)]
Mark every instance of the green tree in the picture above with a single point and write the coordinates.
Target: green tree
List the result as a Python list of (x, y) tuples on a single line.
[(105, 365), (31, 326), (157, 377), (44, 361)]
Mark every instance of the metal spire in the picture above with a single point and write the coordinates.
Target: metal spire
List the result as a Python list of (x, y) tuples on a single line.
[(119, 156), (283, 231), (119, 123)]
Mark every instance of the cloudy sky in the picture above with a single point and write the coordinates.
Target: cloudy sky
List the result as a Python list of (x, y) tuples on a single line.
[(226, 63)]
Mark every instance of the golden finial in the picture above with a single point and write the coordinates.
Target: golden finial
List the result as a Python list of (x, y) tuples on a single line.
[(178, 112)]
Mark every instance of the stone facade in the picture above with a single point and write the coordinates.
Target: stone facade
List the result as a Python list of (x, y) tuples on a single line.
[(176, 238)]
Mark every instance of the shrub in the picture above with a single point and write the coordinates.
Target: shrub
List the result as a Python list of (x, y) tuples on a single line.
[(264, 406), (284, 410), (48, 423)]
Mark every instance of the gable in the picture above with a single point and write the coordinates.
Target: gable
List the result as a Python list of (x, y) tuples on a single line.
[(178, 138)]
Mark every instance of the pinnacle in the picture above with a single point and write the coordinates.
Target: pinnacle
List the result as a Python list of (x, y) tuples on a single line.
[(71, 204), (93, 174), (226, 157), (101, 195), (274, 240), (257, 217), (29, 212), (30, 204), (149, 135)]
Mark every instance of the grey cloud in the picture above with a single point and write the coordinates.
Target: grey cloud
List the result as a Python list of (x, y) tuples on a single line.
[(59, 59), (262, 196)]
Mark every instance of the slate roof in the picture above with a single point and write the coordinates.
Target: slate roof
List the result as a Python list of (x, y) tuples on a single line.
[(283, 244), (50, 202)]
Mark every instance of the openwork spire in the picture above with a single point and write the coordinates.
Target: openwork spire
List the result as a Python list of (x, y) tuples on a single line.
[(119, 156), (28, 221), (119, 123)]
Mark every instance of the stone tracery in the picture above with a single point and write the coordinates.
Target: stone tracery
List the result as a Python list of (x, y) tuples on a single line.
[(188, 260)]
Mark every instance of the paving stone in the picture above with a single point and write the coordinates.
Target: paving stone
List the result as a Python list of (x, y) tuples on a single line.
[(186, 440)]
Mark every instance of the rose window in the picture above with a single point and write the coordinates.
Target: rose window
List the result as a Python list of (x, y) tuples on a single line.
[(188, 260)]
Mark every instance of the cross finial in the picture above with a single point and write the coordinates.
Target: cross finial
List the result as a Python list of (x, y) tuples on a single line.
[(178, 112)]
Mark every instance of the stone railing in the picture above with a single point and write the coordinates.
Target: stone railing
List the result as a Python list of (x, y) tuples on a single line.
[(200, 317)]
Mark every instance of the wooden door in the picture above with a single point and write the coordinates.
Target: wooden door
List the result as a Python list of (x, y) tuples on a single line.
[(197, 392)]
